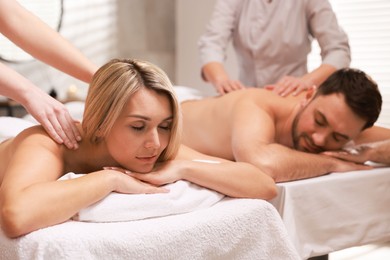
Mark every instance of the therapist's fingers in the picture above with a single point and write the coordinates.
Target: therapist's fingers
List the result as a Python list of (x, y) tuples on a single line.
[(65, 127), (226, 86), (286, 85), (70, 129)]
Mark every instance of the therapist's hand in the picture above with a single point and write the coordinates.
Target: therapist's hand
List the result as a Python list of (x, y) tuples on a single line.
[(290, 85), (214, 72), (54, 117), (225, 85)]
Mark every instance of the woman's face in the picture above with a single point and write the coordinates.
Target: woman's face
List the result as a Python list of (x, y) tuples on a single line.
[(142, 131)]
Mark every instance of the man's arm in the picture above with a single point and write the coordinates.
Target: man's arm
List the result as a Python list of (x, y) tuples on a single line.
[(285, 164), (253, 141)]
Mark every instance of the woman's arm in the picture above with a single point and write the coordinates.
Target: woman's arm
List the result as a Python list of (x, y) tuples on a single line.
[(30, 195), (35, 37), (235, 179)]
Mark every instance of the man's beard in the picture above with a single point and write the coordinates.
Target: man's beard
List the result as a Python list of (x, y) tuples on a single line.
[(294, 134), (296, 137)]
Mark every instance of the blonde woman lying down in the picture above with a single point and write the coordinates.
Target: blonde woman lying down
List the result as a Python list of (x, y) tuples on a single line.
[(131, 121)]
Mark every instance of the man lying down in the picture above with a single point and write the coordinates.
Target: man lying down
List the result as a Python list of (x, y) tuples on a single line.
[(287, 137)]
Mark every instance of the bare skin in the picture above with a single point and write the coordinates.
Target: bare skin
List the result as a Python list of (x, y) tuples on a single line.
[(257, 126)]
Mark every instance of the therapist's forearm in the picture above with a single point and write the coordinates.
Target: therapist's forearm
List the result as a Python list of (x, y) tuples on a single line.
[(35, 37), (214, 72), (319, 75), (15, 86)]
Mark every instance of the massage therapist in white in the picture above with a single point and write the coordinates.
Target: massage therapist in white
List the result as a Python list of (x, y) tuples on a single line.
[(272, 39)]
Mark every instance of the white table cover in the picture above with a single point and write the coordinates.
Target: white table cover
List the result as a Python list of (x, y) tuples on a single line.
[(336, 211)]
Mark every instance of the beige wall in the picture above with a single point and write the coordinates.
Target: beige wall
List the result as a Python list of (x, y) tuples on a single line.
[(147, 31), (191, 20)]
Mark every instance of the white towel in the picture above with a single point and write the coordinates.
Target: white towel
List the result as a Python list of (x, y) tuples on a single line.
[(183, 197), (186, 93)]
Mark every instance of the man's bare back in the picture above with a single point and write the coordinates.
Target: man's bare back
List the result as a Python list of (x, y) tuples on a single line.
[(208, 122)]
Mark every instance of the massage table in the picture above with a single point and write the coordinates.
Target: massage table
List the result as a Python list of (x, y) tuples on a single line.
[(230, 229), (336, 211)]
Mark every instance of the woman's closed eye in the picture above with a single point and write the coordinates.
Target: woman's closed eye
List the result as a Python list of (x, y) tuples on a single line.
[(138, 128), (166, 126)]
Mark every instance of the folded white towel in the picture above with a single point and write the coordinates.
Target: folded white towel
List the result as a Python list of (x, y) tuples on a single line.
[(183, 197)]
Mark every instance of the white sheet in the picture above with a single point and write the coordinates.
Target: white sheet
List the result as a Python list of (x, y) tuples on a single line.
[(11, 126), (336, 211), (231, 229)]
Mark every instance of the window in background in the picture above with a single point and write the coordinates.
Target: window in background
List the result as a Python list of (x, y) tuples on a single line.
[(367, 24)]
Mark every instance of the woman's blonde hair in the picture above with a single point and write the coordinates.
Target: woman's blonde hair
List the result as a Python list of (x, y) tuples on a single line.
[(111, 88)]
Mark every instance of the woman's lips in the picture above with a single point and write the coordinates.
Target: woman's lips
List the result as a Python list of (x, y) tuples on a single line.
[(147, 159)]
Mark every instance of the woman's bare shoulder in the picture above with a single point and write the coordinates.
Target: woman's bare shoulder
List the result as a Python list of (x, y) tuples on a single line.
[(28, 155), (34, 134)]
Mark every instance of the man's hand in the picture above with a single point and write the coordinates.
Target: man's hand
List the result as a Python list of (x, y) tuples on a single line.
[(358, 154)]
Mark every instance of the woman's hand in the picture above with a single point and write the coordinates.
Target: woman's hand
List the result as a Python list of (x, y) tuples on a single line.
[(163, 173), (289, 84), (125, 182)]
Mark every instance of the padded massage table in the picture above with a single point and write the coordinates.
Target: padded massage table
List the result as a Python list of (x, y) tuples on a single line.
[(336, 211), (231, 229)]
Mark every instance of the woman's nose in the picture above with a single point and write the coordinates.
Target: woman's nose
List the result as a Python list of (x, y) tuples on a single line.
[(153, 140)]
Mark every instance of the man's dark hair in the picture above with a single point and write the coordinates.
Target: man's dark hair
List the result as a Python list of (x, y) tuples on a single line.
[(361, 93)]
